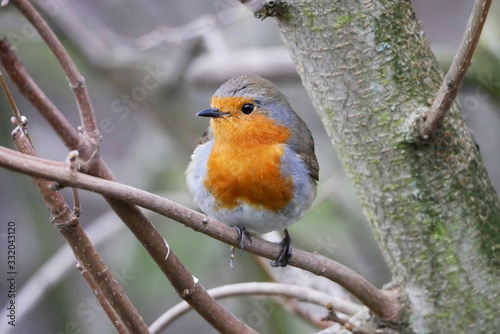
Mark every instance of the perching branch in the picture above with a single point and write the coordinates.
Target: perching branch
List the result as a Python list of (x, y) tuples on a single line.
[(256, 289), (433, 119), (382, 303)]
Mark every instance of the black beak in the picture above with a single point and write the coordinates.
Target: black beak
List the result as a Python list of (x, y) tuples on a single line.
[(212, 112)]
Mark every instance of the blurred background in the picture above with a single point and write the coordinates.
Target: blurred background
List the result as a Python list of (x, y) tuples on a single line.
[(149, 67)]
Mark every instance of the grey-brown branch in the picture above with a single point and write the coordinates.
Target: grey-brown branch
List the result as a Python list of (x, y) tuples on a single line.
[(435, 116)]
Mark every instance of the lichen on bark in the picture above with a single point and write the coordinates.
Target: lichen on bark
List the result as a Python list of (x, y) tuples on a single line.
[(371, 74)]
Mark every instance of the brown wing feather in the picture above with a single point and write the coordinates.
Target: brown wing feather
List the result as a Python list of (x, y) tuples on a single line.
[(304, 146), (312, 164)]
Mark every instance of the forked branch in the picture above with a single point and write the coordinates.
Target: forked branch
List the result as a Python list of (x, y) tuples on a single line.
[(31, 91), (300, 293), (434, 118), (61, 216), (76, 80)]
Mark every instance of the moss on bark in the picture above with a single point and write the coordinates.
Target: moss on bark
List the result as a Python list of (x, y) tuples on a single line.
[(370, 74)]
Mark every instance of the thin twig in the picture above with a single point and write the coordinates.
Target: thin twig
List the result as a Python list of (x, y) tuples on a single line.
[(30, 90), (10, 99), (76, 80), (63, 219), (300, 293), (294, 275), (17, 119), (382, 303), (435, 116), (332, 316), (49, 274), (110, 312)]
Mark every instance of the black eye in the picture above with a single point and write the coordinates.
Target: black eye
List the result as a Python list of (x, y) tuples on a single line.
[(247, 108)]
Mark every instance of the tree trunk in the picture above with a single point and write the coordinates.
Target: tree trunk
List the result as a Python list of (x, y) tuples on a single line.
[(370, 73)]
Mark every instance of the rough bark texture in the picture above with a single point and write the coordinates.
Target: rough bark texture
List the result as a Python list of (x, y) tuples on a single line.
[(370, 74)]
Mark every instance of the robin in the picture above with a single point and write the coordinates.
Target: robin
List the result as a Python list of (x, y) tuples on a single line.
[(255, 167)]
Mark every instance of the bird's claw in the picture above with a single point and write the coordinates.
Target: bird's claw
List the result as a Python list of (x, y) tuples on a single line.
[(285, 253), (242, 234)]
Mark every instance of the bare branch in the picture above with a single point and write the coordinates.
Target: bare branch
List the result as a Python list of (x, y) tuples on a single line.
[(435, 116), (64, 220), (296, 276), (10, 99), (54, 269), (255, 289), (29, 89), (76, 80), (380, 302), (110, 312), (332, 316)]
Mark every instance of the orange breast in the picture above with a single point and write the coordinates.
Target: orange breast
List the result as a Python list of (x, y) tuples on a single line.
[(244, 165)]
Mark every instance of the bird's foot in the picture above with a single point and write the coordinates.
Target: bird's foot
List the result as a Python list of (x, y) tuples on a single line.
[(286, 252), (242, 234)]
